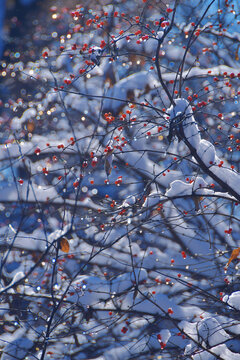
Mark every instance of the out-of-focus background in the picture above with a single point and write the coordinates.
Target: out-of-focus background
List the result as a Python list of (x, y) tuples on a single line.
[(14, 18)]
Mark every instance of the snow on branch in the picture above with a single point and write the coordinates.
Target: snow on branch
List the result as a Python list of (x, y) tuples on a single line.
[(184, 126)]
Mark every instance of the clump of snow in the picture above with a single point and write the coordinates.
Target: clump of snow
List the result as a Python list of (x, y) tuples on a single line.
[(29, 194), (199, 183), (180, 188), (129, 201), (63, 60), (28, 114), (189, 125), (221, 352), (204, 148), (165, 335), (17, 278), (233, 300), (57, 234), (139, 81), (17, 349), (208, 332), (89, 290), (228, 176), (206, 152), (152, 200)]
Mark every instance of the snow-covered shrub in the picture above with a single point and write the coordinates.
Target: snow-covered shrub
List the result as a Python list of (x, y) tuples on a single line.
[(120, 185)]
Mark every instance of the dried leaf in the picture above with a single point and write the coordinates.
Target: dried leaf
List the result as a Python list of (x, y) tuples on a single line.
[(233, 256), (236, 54), (197, 200), (108, 164), (135, 293), (30, 126), (89, 314), (64, 245)]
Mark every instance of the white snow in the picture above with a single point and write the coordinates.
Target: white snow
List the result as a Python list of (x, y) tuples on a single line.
[(18, 347), (206, 152), (28, 114), (138, 81), (189, 125), (233, 299)]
